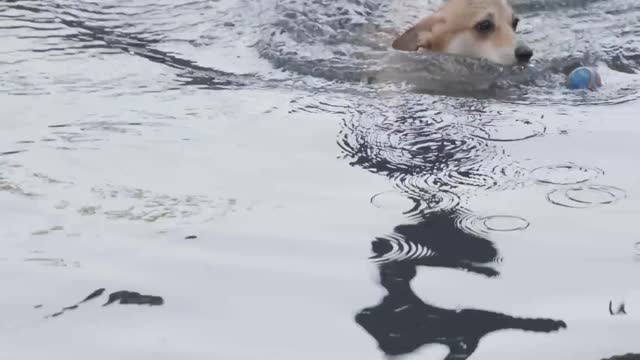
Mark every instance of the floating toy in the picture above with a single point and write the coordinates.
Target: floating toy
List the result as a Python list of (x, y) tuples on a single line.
[(584, 78)]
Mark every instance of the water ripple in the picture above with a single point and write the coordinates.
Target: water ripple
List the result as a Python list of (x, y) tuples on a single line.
[(426, 145), (586, 196), (565, 174), (397, 249), (351, 43), (483, 225), (348, 41), (393, 200), (506, 130)]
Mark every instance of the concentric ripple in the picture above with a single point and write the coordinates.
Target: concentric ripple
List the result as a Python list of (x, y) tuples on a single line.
[(424, 146), (397, 249), (565, 174), (425, 202), (587, 196), (509, 130), (319, 104), (392, 200), (482, 225), (505, 223)]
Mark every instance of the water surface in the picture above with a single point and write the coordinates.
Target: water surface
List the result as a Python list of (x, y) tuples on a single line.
[(246, 179)]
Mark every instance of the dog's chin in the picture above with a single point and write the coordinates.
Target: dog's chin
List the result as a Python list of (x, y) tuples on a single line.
[(505, 57), (465, 46)]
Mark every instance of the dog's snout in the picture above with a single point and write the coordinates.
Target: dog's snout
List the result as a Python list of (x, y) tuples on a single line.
[(523, 53)]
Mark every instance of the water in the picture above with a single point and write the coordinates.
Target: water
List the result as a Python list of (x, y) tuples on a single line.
[(247, 179)]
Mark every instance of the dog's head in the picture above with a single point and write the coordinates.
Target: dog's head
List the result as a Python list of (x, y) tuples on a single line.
[(476, 28)]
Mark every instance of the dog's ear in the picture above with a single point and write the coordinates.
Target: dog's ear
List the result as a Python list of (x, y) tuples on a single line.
[(419, 36)]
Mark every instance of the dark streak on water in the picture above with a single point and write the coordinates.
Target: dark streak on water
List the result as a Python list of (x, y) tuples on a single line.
[(11, 152), (93, 295), (121, 297)]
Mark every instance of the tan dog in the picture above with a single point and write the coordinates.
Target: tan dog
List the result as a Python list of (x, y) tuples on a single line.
[(475, 28)]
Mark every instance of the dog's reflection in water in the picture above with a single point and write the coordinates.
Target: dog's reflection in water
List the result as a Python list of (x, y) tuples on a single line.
[(403, 322)]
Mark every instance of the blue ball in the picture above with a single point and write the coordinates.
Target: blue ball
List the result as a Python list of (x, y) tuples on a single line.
[(584, 78)]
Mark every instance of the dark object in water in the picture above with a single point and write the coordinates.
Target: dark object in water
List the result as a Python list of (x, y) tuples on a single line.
[(621, 310), (191, 237), (625, 357), (123, 297), (129, 297), (402, 322)]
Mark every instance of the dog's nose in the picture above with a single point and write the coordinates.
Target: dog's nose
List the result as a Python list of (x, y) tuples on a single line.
[(523, 53)]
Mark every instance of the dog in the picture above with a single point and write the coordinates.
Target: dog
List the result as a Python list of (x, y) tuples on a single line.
[(474, 28)]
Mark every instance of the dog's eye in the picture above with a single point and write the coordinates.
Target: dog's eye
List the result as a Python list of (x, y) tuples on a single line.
[(515, 23), (484, 26)]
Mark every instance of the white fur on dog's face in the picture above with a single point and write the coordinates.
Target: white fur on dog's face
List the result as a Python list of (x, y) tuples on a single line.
[(475, 28), (465, 44)]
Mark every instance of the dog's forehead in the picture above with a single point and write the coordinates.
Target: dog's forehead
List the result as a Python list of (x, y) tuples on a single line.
[(499, 9)]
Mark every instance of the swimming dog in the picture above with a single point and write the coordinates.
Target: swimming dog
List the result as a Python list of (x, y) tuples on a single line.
[(475, 28)]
